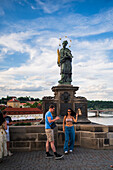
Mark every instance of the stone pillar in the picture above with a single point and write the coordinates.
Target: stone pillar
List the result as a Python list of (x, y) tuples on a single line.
[(46, 102), (97, 113), (81, 102), (64, 98)]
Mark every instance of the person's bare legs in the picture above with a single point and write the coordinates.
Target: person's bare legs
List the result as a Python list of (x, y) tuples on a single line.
[(47, 146), (8, 145), (48, 155), (53, 146), (57, 156)]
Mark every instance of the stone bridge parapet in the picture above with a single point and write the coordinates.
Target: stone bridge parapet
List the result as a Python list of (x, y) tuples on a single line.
[(34, 137)]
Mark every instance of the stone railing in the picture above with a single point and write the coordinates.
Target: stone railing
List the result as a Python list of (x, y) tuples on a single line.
[(34, 138), (29, 137)]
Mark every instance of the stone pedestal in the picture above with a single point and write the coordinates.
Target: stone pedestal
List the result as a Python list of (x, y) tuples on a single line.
[(64, 98)]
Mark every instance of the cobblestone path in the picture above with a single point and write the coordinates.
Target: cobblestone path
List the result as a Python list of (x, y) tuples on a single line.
[(80, 159)]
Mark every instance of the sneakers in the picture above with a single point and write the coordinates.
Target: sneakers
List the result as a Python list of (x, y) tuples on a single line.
[(10, 153), (58, 156), (66, 152), (70, 151), (49, 155)]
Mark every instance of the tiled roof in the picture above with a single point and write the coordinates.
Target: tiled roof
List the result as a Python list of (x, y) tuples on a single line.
[(13, 111), (13, 100), (21, 104), (31, 102)]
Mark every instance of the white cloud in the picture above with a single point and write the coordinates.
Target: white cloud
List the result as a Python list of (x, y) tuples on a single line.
[(92, 68), (43, 71), (73, 25), (50, 6), (16, 42), (92, 75)]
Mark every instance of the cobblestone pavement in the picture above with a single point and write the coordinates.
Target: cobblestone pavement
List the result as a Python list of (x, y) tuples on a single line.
[(80, 159)]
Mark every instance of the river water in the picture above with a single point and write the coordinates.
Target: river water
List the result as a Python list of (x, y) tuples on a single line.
[(104, 119)]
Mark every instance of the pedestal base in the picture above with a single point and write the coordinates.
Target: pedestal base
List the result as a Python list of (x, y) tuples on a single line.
[(64, 98)]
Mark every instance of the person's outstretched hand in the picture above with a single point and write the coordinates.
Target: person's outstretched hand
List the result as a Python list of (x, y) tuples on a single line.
[(57, 118)]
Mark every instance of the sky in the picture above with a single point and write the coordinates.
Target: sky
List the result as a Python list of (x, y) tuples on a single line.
[(29, 39)]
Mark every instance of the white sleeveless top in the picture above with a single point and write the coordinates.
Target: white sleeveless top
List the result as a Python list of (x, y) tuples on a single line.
[(69, 120)]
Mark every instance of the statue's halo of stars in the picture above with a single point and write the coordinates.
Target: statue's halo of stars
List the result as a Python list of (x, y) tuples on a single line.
[(61, 40), (64, 39)]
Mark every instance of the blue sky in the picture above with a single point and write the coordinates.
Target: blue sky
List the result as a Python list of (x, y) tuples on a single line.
[(29, 38)]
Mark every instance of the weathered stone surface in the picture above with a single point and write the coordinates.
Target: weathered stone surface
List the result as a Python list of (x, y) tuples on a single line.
[(106, 142), (101, 142), (27, 138), (35, 129), (17, 129), (60, 127), (27, 129), (42, 137), (90, 143), (110, 128), (93, 134), (110, 135), (85, 128), (11, 144), (38, 145), (87, 134), (100, 135), (21, 144), (23, 136), (61, 138), (64, 98), (92, 128), (77, 138), (101, 129), (111, 142)]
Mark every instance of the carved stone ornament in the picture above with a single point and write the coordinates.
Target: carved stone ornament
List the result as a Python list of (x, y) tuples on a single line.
[(65, 97)]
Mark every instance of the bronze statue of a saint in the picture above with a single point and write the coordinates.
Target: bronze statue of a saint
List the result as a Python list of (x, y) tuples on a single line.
[(64, 62)]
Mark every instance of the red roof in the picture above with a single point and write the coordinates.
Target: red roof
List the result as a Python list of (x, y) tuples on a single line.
[(13, 100), (17, 111), (21, 104), (31, 102)]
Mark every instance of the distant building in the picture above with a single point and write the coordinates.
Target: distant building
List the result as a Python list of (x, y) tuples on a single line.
[(32, 102), (14, 103), (22, 105)]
